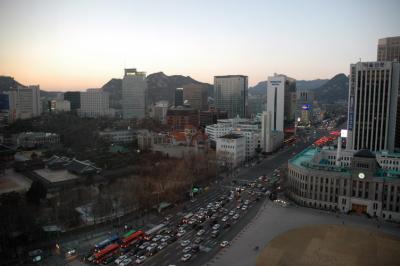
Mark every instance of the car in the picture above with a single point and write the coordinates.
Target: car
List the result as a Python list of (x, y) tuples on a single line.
[(238, 207), (231, 213), (156, 238), (225, 218), (168, 217), (236, 216), (201, 232), (224, 244), (181, 233), (172, 239), (185, 243), (140, 260), (152, 250), (195, 248), (108, 261), (126, 262), (198, 240), (187, 249), (214, 216), (186, 257), (144, 245), (153, 245), (120, 259), (165, 239), (214, 233), (227, 225), (246, 202), (216, 226), (244, 207), (162, 245), (140, 253)]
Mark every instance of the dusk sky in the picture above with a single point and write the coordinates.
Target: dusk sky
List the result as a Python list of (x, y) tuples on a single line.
[(74, 45)]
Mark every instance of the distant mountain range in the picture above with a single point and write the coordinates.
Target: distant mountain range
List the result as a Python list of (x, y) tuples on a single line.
[(326, 90), (162, 87)]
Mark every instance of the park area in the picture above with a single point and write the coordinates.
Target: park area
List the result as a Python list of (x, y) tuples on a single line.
[(331, 245)]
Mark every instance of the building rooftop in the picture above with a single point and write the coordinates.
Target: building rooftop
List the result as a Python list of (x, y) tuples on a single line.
[(231, 76), (364, 154)]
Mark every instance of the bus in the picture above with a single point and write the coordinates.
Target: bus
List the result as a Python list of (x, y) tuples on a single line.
[(106, 252), (128, 233), (112, 239), (132, 238), (149, 233)]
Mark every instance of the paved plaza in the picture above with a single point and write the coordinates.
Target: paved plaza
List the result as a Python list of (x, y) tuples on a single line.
[(272, 220)]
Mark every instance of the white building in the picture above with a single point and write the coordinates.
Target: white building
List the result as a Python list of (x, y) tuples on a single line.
[(281, 101), (60, 106), (95, 103), (35, 139), (231, 150), (117, 136), (270, 140), (134, 91), (253, 141), (24, 102), (225, 126), (159, 110), (373, 106), (230, 93)]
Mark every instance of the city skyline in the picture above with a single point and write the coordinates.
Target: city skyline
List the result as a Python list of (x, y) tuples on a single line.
[(75, 45)]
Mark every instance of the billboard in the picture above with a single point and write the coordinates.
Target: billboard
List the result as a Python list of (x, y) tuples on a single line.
[(306, 107), (343, 133)]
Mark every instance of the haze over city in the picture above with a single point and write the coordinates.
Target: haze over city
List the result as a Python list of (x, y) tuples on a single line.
[(75, 45)]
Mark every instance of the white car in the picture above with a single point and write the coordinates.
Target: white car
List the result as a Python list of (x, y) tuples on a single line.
[(157, 237), (231, 213), (224, 244), (244, 207), (144, 245), (165, 239), (153, 245), (236, 216), (120, 259), (187, 249), (186, 257), (216, 226), (125, 262), (225, 218), (201, 232), (185, 243), (246, 202), (140, 260), (181, 233), (162, 245)]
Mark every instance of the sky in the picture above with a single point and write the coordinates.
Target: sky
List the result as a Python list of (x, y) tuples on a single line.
[(80, 44)]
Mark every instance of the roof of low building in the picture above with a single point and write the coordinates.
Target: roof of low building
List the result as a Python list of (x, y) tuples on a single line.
[(364, 153)]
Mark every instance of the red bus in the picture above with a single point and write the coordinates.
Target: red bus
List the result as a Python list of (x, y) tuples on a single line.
[(132, 238), (106, 253)]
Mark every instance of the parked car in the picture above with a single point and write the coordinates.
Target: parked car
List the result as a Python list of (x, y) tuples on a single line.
[(224, 244), (140, 260), (186, 257)]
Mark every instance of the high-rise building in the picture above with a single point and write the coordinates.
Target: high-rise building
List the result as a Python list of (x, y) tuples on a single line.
[(373, 106), (178, 97), (196, 96), (95, 103), (304, 104), (230, 93), (389, 49), (24, 102), (134, 94), (74, 97), (270, 139), (281, 101)]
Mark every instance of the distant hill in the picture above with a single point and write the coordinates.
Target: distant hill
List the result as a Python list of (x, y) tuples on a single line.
[(335, 89), (162, 87), (114, 88), (7, 83), (261, 87)]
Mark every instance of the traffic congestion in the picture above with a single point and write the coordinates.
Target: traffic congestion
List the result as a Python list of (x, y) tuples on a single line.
[(188, 234)]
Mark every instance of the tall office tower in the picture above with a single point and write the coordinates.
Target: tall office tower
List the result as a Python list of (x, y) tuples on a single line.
[(74, 97), (24, 102), (134, 94), (196, 96), (94, 103), (389, 49), (230, 93), (373, 106), (281, 101), (178, 97)]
